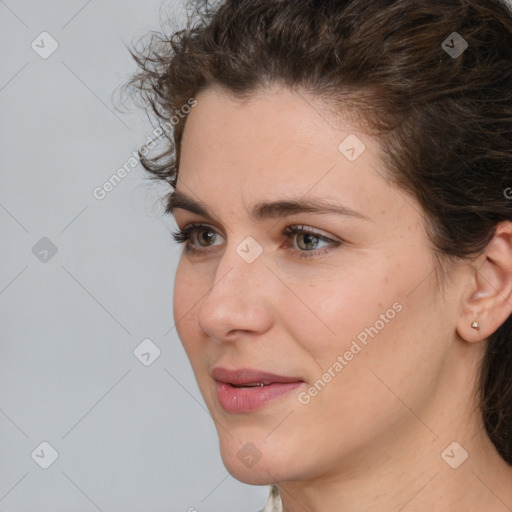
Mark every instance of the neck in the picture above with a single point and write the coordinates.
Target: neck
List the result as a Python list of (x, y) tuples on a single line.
[(417, 481), (414, 468)]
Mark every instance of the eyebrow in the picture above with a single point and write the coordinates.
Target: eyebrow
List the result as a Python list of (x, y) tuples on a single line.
[(264, 210)]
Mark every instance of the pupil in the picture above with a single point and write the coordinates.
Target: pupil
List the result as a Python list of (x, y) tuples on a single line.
[(309, 239), (206, 236)]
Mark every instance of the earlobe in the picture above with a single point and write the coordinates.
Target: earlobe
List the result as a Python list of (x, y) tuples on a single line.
[(489, 300)]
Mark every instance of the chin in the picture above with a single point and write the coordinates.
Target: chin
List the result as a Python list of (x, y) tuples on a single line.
[(253, 462), (258, 474)]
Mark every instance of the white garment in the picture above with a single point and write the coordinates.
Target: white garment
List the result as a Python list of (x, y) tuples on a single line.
[(274, 503)]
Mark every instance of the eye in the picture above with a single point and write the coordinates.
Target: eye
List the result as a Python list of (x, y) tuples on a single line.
[(199, 239), (196, 232), (307, 240)]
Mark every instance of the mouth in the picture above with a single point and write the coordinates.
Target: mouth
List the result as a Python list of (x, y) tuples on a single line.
[(247, 377), (245, 390), (249, 385)]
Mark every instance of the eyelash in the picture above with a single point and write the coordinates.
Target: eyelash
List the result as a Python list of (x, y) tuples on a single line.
[(185, 235)]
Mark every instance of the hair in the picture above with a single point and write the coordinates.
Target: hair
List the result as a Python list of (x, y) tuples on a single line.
[(444, 121)]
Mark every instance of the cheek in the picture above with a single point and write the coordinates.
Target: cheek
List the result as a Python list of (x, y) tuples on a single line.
[(389, 342), (333, 312), (192, 283), (186, 298), (372, 321), (181, 292)]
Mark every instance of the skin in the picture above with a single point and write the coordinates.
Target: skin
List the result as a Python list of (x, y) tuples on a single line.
[(372, 438)]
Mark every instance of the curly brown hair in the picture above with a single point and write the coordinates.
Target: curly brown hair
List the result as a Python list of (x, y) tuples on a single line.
[(444, 117)]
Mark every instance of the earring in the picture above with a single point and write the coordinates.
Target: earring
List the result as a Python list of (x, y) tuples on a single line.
[(475, 325)]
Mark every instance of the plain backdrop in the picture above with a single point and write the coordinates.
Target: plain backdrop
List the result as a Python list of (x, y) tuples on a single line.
[(84, 281)]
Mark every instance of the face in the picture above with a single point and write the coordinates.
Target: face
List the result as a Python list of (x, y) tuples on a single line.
[(339, 303)]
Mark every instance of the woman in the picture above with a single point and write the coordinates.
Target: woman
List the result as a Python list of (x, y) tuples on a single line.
[(342, 186)]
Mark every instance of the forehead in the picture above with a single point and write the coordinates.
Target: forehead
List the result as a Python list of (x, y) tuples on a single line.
[(278, 133), (275, 145), (276, 115)]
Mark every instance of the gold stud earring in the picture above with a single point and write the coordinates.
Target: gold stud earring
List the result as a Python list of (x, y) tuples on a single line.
[(475, 325)]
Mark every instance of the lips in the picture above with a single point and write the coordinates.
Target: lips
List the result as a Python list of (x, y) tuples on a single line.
[(248, 377), (246, 390)]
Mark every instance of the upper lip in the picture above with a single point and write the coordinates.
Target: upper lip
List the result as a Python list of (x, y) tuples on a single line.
[(249, 376)]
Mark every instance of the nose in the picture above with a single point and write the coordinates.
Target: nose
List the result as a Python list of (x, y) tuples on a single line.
[(239, 299)]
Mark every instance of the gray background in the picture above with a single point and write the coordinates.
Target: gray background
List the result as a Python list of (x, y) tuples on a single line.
[(130, 437)]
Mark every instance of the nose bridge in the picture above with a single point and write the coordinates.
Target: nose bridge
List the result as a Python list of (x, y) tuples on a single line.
[(236, 299), (241, 264)]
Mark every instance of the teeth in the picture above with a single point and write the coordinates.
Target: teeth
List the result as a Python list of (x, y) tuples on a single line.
[(256, 384)]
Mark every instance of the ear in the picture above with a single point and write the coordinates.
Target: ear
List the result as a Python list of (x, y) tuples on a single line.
[(489, 300)]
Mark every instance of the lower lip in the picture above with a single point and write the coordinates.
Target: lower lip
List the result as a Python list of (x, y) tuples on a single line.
[(238, 400)]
